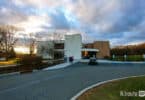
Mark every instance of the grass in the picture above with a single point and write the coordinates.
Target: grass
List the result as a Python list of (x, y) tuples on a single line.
[(111, 91), (135, 58), (129, 58), (9, 62)]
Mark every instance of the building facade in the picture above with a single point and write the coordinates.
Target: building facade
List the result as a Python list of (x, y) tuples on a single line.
[(102, 46), (73, 46), (45, 49), (58, 49)]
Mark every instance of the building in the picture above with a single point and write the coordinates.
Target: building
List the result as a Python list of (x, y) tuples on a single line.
[(57, 49), (73, 46), (89, 52), (102, 46), (45, 49)]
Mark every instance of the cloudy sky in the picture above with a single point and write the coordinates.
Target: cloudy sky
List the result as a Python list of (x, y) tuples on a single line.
[(119, 21)]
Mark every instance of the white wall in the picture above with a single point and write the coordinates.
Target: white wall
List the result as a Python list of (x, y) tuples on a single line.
[(73, 45)]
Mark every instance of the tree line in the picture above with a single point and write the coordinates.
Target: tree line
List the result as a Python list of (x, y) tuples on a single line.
[(129, 50), (8, 41)]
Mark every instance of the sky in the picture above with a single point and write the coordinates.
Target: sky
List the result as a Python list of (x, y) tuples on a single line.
[(121, 22)]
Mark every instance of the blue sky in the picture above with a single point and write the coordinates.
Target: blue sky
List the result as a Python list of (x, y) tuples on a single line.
[(119, 21)]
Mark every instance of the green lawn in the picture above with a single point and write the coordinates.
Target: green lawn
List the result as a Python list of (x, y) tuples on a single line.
[(129, 58), (113, 90), (9, 62)]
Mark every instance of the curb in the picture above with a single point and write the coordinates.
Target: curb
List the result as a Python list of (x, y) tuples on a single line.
[(115, 62), (60, 66), (7, 74), (98, 84)]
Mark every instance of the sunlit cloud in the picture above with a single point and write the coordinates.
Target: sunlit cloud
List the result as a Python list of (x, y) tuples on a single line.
[(23, 50), (34, 23), (118, 21)]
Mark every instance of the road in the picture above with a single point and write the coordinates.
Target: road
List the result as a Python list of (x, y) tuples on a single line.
[(62, 84)]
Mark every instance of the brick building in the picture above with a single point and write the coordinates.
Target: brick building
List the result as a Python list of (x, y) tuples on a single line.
[(102, 46)]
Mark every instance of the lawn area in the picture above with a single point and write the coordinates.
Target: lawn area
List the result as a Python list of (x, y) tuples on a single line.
[(9, 62), (129, 58), (125, 89)]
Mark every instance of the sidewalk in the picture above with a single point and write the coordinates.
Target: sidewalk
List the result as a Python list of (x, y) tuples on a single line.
[(114, 62), (59, 66), (121, 62)]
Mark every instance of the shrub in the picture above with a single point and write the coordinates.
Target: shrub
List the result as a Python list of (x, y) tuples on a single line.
[(135, 58), (107, 57), (128, 58), (31, 60), (118, 58)]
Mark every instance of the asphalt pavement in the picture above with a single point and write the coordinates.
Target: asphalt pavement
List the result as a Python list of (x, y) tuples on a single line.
[(62, 84)]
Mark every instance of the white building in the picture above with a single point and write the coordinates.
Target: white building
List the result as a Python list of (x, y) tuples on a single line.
[(44, 49), (73, 46)]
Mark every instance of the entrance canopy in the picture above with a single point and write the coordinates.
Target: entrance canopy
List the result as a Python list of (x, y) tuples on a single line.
[(90, 50), (87, 53)]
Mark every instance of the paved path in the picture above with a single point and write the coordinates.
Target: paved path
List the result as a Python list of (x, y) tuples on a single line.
[(62, 84)]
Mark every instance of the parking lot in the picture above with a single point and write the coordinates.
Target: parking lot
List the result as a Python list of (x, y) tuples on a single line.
[(62, 84)]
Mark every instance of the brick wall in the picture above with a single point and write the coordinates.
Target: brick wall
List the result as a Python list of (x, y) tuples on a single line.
[(104, 48)]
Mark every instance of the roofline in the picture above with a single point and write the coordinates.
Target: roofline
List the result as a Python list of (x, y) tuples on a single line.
[(90, 49)]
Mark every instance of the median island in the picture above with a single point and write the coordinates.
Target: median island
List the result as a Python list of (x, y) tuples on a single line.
[(125, 89)]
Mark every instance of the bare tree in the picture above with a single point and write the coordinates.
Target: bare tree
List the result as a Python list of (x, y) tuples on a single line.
[(32, 43), (29, 41), (7, 39), (58, 36)]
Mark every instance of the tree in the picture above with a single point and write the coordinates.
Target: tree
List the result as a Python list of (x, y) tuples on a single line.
[(29, 40), (7, 40), (32, 43), (58, 36)]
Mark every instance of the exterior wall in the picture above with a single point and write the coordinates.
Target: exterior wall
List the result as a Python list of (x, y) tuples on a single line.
[(59, 45), (89, 45), (45, 49), (73, 46), (50, 49), (58, 49), (104, 48)]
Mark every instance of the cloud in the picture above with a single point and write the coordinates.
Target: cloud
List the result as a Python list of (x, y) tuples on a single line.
[(120, 21), (39, 4), (132, 15), (9, 16), (34, 23), (59, 21)]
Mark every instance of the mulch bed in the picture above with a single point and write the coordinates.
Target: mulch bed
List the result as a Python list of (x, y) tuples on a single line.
[(26, 68)]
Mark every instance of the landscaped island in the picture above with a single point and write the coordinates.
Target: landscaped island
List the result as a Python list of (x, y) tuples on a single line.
[(125, 89)]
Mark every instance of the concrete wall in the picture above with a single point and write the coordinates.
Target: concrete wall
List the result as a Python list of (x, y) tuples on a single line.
[(73, 46)]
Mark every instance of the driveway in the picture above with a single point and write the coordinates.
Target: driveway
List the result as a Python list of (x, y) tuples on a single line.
[(62, 84)]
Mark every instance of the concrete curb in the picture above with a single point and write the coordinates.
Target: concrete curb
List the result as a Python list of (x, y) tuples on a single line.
[(115, 62), (63, 65), (7, 74), (60, 66), (98, 84)]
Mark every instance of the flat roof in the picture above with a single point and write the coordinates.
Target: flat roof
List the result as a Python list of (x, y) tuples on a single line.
[(89, 49)]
